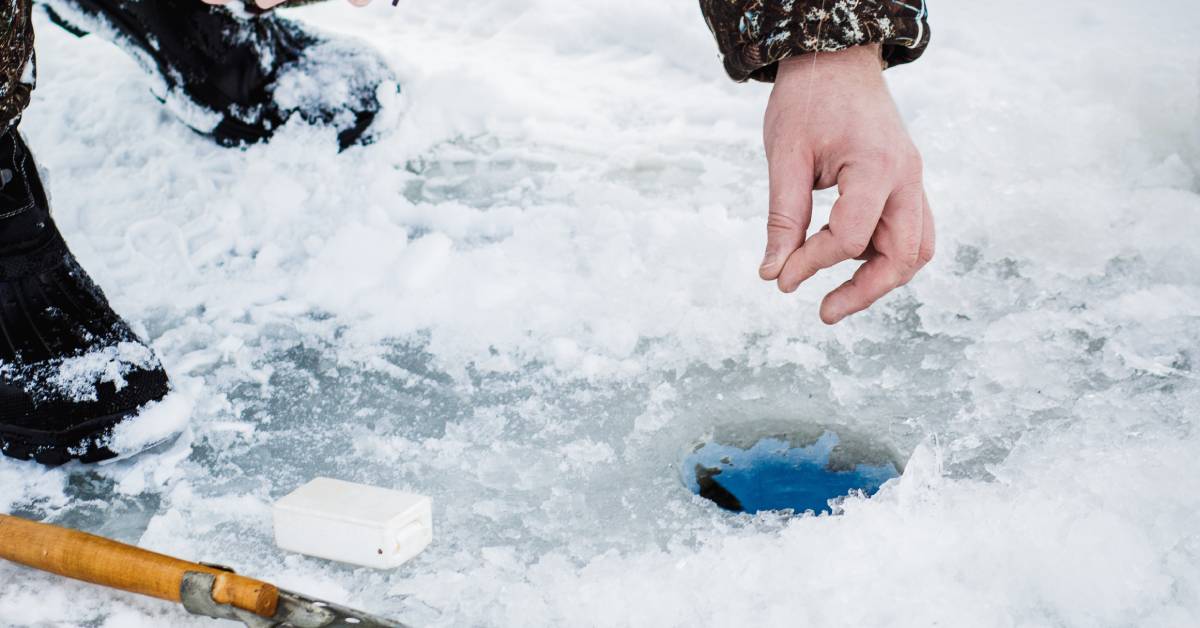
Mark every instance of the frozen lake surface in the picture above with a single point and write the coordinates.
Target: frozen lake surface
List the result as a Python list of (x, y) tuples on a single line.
[(540, 287)]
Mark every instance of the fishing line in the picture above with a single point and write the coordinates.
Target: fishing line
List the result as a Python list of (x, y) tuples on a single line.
[(812, 70)]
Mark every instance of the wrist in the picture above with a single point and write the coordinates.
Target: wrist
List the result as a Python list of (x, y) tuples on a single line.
[(864, 60)]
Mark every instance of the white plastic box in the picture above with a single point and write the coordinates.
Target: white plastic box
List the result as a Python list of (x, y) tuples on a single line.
[(353, 523)]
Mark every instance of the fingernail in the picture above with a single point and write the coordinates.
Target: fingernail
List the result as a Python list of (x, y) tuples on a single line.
[(769, 269)]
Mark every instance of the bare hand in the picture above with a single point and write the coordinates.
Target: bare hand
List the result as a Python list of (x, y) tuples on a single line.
[(831, 120), (267, 4)]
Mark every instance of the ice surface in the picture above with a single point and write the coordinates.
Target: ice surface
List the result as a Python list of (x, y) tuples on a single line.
[(539, 286)]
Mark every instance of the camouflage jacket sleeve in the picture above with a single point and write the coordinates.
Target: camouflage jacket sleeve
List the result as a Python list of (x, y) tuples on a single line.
[(754, 35), (16, 59)]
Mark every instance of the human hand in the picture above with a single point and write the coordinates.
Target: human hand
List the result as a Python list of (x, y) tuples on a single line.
[(831, 120), (267, 4)]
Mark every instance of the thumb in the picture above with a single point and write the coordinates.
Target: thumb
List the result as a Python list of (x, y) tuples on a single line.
[(791, 183)]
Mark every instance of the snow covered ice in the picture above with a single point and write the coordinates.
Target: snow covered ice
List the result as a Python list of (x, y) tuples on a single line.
[(539, 286)]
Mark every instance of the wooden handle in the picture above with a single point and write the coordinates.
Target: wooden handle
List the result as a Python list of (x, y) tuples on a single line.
[(102, 561)]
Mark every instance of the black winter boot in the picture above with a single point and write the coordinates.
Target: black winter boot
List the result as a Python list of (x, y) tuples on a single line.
[(70, 368), (248, 73)]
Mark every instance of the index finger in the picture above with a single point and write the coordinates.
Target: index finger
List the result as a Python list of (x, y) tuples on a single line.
[(791, 186), (862, 194)]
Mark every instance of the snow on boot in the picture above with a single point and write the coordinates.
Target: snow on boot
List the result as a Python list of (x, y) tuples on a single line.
[(70, 369), (237, 78)]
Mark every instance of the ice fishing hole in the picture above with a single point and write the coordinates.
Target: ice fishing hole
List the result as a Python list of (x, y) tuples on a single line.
[(782, 467)]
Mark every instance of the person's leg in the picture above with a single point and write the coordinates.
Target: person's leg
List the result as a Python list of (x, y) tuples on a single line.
[(249, 71), (70, 368)]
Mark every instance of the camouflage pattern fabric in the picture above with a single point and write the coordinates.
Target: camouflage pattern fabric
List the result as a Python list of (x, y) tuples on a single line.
[(755, 35), (16, 59)]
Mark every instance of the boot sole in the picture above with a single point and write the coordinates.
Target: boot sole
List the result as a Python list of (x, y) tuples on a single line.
[(86, 442)]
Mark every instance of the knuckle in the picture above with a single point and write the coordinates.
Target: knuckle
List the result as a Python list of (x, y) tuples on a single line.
[(926, 253), (911, 183), (904, 162), (779, 221), (886, 160), (851, 233), (912, 161), (853, 243), (904, 165)]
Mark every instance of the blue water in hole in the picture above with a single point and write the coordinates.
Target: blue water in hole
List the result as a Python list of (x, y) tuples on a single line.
[(775, 474)]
